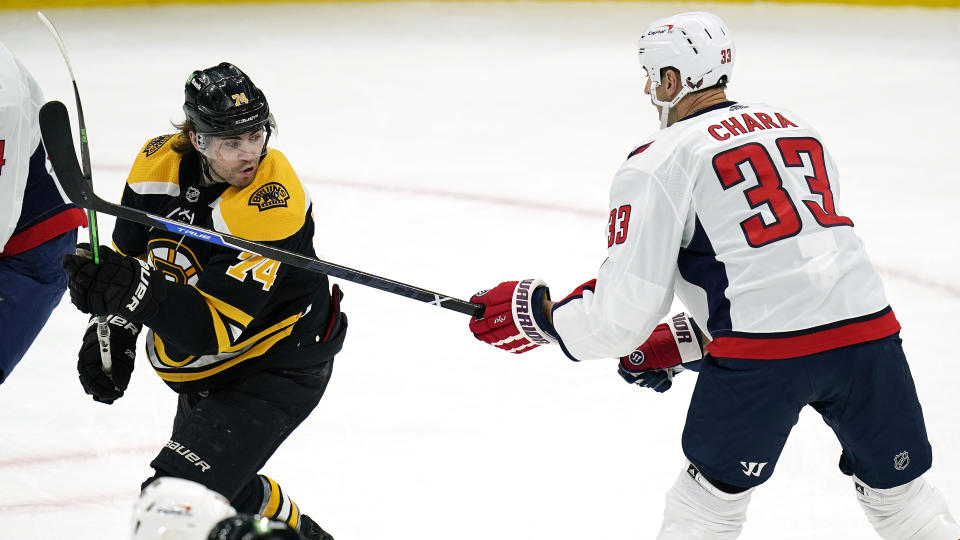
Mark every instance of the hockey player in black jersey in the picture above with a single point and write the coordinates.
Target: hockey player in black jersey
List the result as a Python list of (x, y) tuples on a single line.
[(247, 343)]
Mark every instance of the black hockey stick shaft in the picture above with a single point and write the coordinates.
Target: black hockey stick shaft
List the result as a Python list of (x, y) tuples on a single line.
[(103, 329), (55, 126)]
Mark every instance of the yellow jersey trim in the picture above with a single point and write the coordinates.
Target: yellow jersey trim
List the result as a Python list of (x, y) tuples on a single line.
[(162, 354), (157, 163), (280, 330), (272, 207), (232, 312)]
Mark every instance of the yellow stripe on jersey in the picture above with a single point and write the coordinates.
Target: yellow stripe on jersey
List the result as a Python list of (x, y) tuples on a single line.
[(272, 207), (156, 165), (234, 313), (219, 330), (166, 360), (266, 341)]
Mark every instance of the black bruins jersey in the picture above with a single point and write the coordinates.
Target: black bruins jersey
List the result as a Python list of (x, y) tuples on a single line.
[(226, 312)]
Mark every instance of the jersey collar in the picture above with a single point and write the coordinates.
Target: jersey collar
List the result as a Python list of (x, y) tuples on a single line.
[(723, 105)]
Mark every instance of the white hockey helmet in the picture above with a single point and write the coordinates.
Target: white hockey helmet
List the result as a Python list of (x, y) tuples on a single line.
[(177, 509), (696, 44)]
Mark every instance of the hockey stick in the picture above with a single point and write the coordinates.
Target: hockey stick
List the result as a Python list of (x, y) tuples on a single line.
[(103, 329), (55, 126)]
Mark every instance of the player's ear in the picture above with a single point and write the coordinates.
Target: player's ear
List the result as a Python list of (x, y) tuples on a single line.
[(671, 80)]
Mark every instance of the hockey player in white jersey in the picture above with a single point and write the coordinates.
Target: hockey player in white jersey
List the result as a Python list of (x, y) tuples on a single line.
[(37, 224), (733, 208)]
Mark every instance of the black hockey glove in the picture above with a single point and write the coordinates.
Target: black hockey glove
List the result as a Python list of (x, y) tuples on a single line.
[(104, 387), (119, 285)]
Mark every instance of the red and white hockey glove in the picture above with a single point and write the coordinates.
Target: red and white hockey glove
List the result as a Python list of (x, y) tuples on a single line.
[(663, 354), (513, 319)]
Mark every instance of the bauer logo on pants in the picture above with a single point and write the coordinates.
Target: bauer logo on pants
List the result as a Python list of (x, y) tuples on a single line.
[(188, 455)]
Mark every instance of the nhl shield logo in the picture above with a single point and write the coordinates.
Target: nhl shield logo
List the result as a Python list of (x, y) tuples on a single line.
[(155, 144), (270, 195), (193, 194), (901, 461)]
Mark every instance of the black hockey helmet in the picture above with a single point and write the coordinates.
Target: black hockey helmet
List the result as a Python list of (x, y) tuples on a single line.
[(222, 100)]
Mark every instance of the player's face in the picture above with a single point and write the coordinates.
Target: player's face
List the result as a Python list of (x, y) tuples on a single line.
[(234, 159)]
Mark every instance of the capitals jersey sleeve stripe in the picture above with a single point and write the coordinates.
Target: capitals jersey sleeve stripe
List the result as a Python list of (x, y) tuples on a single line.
[(578, 292)]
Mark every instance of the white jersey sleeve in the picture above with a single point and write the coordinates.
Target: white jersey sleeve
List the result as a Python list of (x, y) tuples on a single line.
[(635, 285), (20, 101), (734, 210)]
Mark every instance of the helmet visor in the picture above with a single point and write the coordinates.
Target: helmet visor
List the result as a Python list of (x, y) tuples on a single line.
[(244, 146)]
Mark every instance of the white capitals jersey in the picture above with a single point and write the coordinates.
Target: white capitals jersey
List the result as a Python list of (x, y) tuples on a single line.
[(734, 210), (20, 102)]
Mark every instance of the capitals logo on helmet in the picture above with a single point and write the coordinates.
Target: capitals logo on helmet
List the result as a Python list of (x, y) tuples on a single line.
[(696, 44)]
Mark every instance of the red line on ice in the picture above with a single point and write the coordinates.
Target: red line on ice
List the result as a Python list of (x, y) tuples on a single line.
[(66, 457), (535, 205), (74, 502)]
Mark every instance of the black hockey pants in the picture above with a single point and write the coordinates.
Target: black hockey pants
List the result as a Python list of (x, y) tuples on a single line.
[(223, 437)]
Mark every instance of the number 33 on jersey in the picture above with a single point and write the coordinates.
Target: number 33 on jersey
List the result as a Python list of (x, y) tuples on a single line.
[(725, 208)]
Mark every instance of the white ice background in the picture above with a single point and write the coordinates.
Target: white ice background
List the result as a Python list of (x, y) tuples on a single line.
[(453, 146)]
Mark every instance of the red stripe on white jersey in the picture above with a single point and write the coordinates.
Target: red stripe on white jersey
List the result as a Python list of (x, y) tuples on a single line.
[(47, 229), (815, 342)]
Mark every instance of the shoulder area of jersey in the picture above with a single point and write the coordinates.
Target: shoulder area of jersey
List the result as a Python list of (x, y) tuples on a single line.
[(156, 170), (273, 207)]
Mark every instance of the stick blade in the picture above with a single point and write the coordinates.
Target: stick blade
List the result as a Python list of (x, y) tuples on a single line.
[(58, 141)]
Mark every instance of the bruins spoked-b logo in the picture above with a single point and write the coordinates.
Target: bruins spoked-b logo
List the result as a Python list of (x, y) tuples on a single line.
[(155, 144), (270, 195)]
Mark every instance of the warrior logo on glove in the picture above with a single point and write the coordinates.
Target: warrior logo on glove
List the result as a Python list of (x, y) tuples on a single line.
[(636, 358), (513, 319)]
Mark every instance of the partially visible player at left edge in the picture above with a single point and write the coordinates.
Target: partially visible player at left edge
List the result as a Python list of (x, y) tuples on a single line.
[(247, 342), (37, 223)]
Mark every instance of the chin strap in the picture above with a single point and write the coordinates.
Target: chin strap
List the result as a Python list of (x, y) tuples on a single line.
[(665, 106)]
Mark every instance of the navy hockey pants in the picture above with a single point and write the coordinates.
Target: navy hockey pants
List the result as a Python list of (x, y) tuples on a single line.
[(31, 285), (743, 410)]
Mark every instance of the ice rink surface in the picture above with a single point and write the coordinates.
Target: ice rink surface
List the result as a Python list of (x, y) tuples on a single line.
[(453, 146)]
